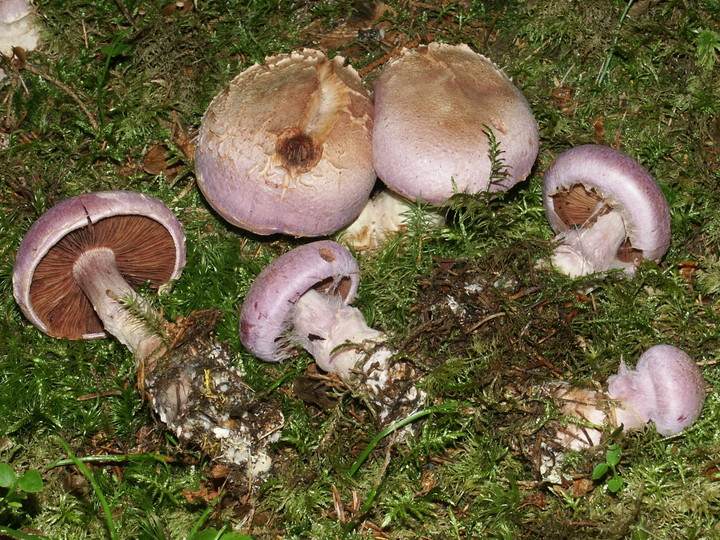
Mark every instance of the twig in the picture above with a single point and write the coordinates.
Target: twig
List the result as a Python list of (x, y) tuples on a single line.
[(380, 61), (65, 88), (484, 320)]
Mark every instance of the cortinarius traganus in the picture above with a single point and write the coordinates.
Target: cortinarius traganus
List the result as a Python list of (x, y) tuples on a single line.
[(285, 148), (607, 211), (302, 298), (434, 105), (665, 388), (74, 278)]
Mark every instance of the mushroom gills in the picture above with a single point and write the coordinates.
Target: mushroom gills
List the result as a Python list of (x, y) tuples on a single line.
[(596, 239), (53, 293)]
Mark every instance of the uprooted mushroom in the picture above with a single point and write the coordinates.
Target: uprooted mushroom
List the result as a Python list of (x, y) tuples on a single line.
[(607, 212), (302, 298), (74, 278), (666, 388)]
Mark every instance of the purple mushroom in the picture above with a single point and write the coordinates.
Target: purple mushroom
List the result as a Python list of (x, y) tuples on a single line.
[(303, 298), (607, 211), (285, 148), (665, 388), (74, 278), (434, 107)]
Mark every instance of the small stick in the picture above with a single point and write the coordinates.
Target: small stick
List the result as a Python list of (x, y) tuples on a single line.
[(66, 89), (380, 61)]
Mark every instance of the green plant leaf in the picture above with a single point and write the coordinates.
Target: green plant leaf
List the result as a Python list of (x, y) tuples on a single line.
[(7, 475), (599, 471), (31, 481), (612, 457), (615, 484)]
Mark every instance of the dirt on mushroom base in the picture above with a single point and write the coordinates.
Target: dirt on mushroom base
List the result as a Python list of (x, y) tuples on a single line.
[(203, 399)]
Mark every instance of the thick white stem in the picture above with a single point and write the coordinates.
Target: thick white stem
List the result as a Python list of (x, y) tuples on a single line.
[(385, 214), (341, 342), (334, 333), (594, 410), (592, 249), (98, 277)]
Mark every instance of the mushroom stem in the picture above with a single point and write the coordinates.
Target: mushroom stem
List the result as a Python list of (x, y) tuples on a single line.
[(384, 214), (111, 296), (592, 249), (341, 342), (196, 392), (593, 410), (334, 333)]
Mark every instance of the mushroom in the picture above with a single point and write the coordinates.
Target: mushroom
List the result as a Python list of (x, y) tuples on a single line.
[(607, 211), (666, 388), (18, 27), (384, 214), (74, 278), (302, 298), (285, 148), (437, 109)]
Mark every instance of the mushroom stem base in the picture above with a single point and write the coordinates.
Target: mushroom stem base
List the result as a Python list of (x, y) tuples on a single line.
[(592, 249), (204, 400)]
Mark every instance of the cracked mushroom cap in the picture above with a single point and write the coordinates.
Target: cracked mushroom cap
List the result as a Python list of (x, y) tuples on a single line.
[(589, 181), (266, 315), (145, 236), (285, 148), (433, 107), (666, 387)]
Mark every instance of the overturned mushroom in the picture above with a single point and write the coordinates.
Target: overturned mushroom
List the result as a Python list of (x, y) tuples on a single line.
[(303, 298), (285, 148), (607, 211), (665, 388), (436, 108), (74, 278)]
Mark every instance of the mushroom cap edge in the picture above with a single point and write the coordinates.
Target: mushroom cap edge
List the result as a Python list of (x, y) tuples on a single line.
[(74, 213), (269, 302)]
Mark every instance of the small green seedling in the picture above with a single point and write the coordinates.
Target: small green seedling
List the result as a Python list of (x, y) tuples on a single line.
[(609, 468), (17, 487)]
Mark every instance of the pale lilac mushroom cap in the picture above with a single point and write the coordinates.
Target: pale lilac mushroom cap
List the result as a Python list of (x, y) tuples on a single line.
[(433, 107), (145, 236), (606, 209), (286, 148), (266, 315), (666, 387)]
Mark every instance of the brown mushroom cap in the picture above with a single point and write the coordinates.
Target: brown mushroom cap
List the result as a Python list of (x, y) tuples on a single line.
[(145, 236), (285, 148), (433, 107)]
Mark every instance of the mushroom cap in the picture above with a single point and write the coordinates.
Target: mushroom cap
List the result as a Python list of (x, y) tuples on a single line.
[(666, 387), (433, 106), (285, 148), (266, 314), (145, 236), (625, 186)]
